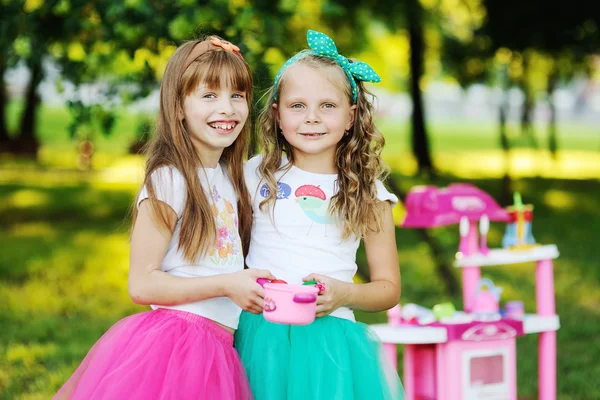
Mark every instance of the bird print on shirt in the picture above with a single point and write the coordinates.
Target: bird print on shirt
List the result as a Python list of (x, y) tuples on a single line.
[(314, 204)]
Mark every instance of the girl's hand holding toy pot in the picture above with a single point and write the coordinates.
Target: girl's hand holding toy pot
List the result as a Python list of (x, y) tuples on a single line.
[(244, 292), (288, 304), (292, 304), (334, 294)]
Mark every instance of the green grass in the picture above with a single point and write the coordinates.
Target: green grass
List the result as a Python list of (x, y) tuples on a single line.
[(468, 136), (64, 260), (63, 273)]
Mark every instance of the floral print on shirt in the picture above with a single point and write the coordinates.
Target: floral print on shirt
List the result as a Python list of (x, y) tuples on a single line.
[(228, 249)]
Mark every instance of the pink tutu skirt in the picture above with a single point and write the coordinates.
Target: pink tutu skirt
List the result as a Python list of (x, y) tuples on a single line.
[(161, 354)]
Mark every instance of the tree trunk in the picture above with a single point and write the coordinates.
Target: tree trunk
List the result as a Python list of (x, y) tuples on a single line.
[(506, 193), (528, 105), (27, 142), (4, 137), (552, 133), (262, 80), (420, 140)]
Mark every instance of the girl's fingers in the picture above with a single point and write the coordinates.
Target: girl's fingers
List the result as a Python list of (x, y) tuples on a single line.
[(255, 308), (259, 303), (263, 273), (313, 277), (322, 299), (322, 309)]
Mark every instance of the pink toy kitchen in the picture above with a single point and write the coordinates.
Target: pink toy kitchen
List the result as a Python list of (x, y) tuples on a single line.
[(471, 354)]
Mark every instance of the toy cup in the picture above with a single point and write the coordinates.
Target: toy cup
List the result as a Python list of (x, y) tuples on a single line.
[(514, 309), (443, 310), (290, 304)]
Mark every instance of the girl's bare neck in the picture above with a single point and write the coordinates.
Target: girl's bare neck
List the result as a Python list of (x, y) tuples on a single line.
[(316, 164), (209, 157)]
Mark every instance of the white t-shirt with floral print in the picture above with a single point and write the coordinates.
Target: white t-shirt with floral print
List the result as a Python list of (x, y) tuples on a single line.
[(225, 257)]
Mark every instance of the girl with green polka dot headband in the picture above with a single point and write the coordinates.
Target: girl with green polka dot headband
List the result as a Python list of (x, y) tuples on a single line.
[(322, 45)]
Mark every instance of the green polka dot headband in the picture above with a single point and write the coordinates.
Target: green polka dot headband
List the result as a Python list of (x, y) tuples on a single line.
[(322, 45)]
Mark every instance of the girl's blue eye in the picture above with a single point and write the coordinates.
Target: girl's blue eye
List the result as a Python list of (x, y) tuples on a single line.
[(296, 105), (238, 96), (329, 105), (209, 96)]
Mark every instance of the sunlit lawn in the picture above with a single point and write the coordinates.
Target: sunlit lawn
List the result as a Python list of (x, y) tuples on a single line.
[(64, 256)]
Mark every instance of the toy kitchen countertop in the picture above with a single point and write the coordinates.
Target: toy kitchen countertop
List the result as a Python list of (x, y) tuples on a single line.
[(439, 332)]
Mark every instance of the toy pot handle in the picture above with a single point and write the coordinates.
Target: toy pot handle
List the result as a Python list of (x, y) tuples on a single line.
[(305, 298), (484, 282), (262, 281)]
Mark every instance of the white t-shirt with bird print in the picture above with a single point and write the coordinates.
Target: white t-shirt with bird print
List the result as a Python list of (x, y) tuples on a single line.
[(299, 237)]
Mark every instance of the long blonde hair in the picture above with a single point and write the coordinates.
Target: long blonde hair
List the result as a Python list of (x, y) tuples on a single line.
[(357, 158), (172, 146)]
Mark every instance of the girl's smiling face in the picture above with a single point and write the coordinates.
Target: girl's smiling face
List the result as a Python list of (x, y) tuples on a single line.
[(313, 112), (214, 118)]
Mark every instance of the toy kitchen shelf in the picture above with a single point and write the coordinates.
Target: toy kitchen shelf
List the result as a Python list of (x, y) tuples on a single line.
[(411, 334), (507, 257), (532, 323), (475, 360)]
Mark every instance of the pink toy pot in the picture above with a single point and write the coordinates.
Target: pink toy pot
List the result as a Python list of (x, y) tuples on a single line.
[(290, 304)]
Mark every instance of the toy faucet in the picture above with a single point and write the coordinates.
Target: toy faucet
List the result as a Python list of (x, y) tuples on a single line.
[(484, 227), (463, 229)]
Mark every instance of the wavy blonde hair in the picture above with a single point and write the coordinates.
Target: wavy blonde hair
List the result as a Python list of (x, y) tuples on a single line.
[(172, 146), (357, 158)]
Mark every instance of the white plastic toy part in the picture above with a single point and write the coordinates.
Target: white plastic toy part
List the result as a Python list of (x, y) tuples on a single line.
[(463, 227), (484, 224)]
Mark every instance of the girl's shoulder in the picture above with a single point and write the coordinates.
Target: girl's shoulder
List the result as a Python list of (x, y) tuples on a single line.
[(167, 175), (251, 168), (383, 194), (168, 170), (168, 186), (253, 163)]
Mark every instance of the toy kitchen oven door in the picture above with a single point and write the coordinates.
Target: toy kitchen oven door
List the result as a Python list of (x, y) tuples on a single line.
[(487, 373), (481, 365)]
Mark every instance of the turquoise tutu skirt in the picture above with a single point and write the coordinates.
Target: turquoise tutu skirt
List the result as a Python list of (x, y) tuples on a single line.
[(332, 358)]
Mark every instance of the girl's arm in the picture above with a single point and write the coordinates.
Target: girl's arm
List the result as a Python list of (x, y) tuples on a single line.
[(149, 285), (383, 292)]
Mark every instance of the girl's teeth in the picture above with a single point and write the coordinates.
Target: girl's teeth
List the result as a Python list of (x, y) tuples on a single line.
[(224, 126)]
